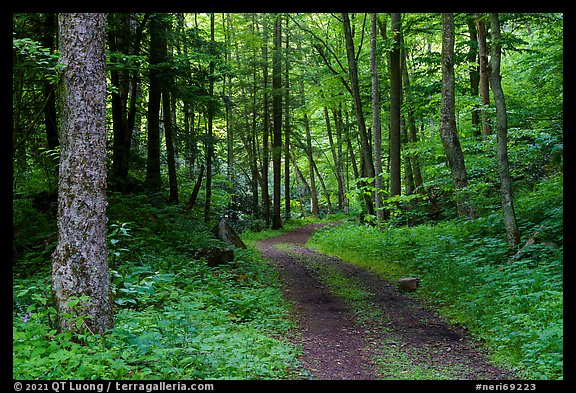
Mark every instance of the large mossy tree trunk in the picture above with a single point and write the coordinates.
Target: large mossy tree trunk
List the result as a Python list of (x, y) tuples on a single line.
[(80, 276)]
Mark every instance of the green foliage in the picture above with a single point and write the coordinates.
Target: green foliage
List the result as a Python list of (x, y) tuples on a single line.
[(35, 55), (510, 299), (176, 318)]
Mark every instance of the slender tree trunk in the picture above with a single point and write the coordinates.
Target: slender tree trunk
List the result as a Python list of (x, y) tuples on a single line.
[(484, 73), (377, 129), (412, 132), (157, 56), (309, 153), (50, 107), (133, 117), (337, 160), (395, 103), (210, 138), (337, 114), (324, 189), (408, 175), (265, 124), (313, 194), (296, 177), (512, 232), (80, 261), (367, 162), (118, 41), (474, 72), (169, 133), (287, 127), (277, 117), (227, 94), (253, 162), (192, 199), (448, 131)]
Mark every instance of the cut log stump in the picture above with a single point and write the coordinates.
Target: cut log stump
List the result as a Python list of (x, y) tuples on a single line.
[(408, 284), (226, 233)]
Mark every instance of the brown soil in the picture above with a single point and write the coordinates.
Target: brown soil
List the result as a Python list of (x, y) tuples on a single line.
[(341, 342)]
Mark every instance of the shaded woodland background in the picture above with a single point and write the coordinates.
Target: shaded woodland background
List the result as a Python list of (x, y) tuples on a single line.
[(272, 120)]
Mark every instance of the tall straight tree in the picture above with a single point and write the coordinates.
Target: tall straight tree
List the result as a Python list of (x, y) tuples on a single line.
[(287, 202), (157, 56), (80, 261), (395, 103), (277, 119), (48, 39), (315, 210), (410, 117), (474, 72), (377, 129), (265, 122), (448, 131), (512, 232), (169, 117), (484, 73), (367, 161), (210, 138), (119, 35)]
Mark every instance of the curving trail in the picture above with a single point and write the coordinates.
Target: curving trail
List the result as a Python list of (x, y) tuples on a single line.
[(401, 340)]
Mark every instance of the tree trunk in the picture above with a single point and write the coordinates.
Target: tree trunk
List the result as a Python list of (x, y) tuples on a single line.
[(296, 177), (287, 203), (337, 159), (474, 72), (484, 74), (118, 41), (448, 131), (133, 116), (227, 94), (324, 189), (337, 114), (395, 102), (169, 133), (277, 117), (192, 199), (313, 192), (367, 162), (512, 231), (377, 130), (157, 56), (210, 139), (48, 89), (80, 261), (265, 125), (412, 134)]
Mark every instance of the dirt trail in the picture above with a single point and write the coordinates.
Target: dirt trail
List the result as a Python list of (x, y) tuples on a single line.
[(402, 339)]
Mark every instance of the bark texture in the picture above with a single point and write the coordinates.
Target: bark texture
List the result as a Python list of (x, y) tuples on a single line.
[(512, 231), (448, 130), (80, 264)]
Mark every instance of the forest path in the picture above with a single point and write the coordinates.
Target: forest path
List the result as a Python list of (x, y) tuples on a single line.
[(357, 325)]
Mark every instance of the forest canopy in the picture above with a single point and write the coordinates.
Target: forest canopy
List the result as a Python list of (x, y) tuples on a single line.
[(216, 78)]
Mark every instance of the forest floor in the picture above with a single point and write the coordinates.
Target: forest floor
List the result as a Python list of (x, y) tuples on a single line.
[(357, 325)]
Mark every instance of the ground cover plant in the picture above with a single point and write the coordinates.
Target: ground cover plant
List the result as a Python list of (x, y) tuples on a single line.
[(434, 140), (176, 317), (511, 300)]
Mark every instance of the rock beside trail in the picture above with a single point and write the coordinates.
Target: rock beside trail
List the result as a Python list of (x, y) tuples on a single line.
[(408, 284)]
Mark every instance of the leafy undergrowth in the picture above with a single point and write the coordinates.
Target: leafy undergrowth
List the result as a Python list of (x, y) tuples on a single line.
[(510, 299), (176, 317)]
